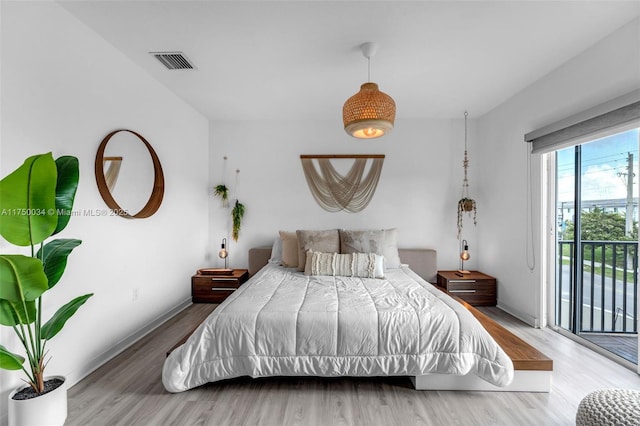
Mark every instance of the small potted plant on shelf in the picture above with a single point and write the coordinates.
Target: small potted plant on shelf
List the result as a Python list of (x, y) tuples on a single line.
[(36, 202)]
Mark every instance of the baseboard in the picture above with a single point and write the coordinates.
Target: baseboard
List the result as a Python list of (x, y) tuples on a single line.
[(526, 318), (95, 363)]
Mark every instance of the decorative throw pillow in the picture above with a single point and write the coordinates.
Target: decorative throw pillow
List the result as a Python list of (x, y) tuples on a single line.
[(276, 251), (380, 241), (327, 241), (289, 249), (364, 265)]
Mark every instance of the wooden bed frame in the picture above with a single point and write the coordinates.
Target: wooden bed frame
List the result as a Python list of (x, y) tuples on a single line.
[(533, 369)]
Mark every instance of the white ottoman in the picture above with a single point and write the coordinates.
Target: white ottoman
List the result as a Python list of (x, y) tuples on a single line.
[(609, 407)]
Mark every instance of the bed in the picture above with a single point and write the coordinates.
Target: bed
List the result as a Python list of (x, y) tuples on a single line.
[(283, 322)]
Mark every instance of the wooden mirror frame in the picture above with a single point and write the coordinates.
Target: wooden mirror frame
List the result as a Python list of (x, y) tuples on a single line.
[(158, 180)]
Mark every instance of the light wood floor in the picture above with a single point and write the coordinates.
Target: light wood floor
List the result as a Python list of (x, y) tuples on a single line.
[(128, 391)]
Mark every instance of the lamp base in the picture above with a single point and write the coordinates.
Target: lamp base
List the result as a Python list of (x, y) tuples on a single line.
[(462, 272)]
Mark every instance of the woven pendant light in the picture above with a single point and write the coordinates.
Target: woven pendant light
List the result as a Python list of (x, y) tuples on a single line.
[(369, 113)]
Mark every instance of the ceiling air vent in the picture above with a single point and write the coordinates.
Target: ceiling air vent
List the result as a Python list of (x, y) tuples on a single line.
[(173, 60)]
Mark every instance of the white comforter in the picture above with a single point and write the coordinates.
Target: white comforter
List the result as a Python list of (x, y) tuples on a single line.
[(283, 323)]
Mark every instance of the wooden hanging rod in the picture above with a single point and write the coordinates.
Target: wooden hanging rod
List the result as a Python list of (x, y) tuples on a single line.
[(344, 156)]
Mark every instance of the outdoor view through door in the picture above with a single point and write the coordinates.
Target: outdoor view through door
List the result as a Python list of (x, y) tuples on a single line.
[(597, 242)]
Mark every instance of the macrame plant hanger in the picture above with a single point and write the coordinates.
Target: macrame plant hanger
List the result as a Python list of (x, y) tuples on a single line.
[(466, 203), (335, 192), (465, 162)]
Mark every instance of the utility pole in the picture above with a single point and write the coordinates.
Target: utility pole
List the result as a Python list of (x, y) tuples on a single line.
[(628, 226)]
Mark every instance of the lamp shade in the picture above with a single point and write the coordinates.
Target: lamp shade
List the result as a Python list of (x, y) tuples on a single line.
[(369, 113)]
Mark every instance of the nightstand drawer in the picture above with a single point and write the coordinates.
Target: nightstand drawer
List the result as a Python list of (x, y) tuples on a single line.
[(209, 293), (474, 288), (478, 286), (212, 281), (216, 288), (474, 293)]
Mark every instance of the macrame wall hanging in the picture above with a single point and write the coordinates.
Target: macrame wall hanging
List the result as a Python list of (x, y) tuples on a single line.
[(335, 192)]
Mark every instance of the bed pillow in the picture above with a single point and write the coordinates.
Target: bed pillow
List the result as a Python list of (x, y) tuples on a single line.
[(289, 249), (379, 241), (364, 265), (327, 241), (276, 251)]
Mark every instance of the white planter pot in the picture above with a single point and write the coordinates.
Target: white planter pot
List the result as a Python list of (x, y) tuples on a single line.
[(49, 409)]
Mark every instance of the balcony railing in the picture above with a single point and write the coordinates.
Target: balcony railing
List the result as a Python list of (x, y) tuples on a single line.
[(609, 277)]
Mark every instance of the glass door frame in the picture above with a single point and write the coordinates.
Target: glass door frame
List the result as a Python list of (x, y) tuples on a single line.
[(549, 246)]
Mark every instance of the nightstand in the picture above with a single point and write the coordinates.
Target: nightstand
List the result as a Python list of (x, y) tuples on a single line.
[(216, 288), (475, 288)]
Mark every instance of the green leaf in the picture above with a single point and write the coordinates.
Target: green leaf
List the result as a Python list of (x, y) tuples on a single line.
[(9, 360), (55, 324), (54, 257), (22, 278), (66, 186), (221, 191), (237, 214), (13, 313), (27, 201)]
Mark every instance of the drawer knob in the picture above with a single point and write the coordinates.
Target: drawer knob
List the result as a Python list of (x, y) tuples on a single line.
[(462, 291)]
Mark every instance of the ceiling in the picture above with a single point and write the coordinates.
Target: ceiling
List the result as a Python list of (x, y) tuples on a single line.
[(292, 60)]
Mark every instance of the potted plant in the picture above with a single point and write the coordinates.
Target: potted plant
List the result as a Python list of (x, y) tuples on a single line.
[(237, 214), (466, 205), (223, 192), (36, 202)]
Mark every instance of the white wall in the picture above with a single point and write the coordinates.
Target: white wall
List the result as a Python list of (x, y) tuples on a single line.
[(608, 69), (63, 89), (417, 193)]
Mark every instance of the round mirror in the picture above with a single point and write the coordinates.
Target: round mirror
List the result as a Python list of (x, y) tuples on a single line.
[(130, 172)]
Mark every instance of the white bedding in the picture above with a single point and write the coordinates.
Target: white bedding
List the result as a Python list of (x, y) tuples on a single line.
[(283, 323)]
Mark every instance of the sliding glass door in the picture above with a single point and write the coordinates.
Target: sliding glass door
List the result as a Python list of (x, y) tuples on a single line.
[(596, 294)]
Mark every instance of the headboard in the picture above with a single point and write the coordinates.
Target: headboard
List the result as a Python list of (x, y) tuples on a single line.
[(423, 262)]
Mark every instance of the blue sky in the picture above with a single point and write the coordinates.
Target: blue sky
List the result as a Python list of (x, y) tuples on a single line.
[(602, 161)]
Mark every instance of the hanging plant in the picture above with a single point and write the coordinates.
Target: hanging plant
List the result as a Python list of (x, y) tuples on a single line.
[(223, 192), (466, 205), (237, 214)]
